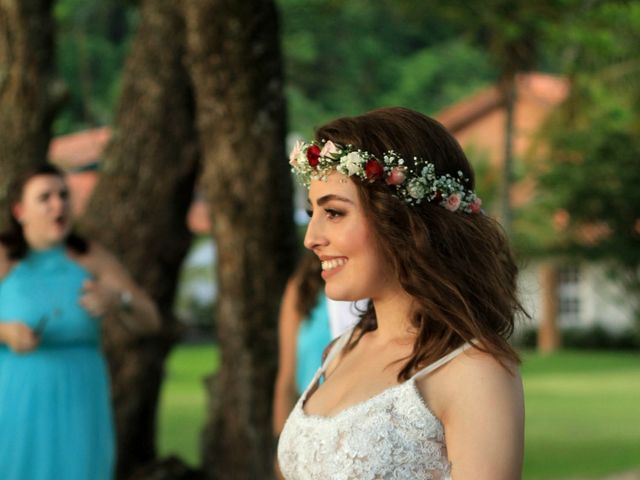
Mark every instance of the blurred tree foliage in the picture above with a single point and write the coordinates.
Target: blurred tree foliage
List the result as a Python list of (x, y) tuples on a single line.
[(347, 57), (341, 58), (590, 182), (93, 38)]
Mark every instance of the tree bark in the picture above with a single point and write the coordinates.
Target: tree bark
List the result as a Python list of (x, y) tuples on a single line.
[(548, 335), (509, 91), (29, 93), (236, 68), (138, 211)]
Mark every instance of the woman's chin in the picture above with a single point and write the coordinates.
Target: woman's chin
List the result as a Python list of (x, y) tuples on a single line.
[(58, 236), (337, 294)]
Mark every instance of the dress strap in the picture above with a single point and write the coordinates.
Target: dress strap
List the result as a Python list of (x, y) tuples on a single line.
[(336, 349), (438, 363)]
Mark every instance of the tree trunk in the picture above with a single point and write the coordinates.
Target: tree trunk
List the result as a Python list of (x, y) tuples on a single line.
[(138, 211), (29, 94), (548, 334), (236, 68), (509, 92)]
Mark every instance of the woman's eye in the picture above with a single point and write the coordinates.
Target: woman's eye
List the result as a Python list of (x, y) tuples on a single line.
[(331, 213), (309, 212)]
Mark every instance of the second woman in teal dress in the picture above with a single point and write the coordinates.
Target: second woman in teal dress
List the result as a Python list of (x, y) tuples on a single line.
[(55, 412)]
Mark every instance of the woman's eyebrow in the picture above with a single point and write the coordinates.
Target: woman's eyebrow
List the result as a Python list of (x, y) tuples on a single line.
[(327, 198)]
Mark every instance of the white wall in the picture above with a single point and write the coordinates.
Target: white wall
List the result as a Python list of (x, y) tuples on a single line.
[(602, 299)]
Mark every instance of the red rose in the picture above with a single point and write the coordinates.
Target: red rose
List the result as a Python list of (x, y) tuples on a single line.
[(476, 205), (313, 155), (373, 169)]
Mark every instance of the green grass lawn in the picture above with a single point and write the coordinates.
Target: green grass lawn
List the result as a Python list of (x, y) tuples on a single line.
[(183, 401), (583, 411), (582, 414)]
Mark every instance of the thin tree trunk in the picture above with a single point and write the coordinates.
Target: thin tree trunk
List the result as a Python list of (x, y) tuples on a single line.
[(29, 94), (509, 90), (236, 68), (138, 211), (548, 334)]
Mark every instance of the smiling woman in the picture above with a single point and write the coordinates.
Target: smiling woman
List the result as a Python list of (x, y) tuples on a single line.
[(426, 384), (55, 407), (343, 242)]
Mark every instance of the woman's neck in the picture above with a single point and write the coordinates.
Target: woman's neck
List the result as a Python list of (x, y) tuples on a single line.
[(393, 314), (44, 246), (36, 243)]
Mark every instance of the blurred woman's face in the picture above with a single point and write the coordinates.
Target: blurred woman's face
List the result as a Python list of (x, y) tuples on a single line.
[(43, 211)]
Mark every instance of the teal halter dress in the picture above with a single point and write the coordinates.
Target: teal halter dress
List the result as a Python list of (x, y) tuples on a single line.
[(314, 335), (55, 411)]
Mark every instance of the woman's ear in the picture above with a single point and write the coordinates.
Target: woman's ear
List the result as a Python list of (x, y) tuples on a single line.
[(16, 210)]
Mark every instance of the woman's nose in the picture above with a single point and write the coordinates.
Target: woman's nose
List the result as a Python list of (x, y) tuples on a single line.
[(314, 237), (58, 202)]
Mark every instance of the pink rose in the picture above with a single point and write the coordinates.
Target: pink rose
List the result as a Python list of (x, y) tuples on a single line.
[(397, 176), (295, 152), (453, 202), (329, 148)]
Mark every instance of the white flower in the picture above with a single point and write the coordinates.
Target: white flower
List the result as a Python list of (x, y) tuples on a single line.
[(352, 163), (295, 155), (416, 189)]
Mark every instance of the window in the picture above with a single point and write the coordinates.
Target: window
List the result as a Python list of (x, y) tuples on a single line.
[(569, 294)]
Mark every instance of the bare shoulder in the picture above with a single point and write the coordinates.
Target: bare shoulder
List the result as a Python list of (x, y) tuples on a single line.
[(99, 251), (482, 411), (478, 368), (477, 361), (290, 295), (473, 380), (97, 259), (477, 380), (99, 254)]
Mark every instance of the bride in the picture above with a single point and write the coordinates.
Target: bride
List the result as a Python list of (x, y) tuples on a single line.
[(425, 386)]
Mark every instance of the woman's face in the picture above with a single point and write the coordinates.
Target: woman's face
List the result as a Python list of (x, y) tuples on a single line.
[(340, 235), (43, 211)]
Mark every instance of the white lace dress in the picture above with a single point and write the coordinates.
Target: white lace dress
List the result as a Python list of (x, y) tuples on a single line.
[(392, 435)]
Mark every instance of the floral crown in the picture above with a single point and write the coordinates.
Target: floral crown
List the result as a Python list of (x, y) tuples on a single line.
[(412, 184)]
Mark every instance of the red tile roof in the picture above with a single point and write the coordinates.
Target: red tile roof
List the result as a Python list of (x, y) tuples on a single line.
[(79, 149)]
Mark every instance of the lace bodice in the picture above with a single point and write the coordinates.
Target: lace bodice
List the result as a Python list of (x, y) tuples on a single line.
[(392, 435)]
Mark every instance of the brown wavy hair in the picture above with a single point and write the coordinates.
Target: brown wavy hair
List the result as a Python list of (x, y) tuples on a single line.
[(309, 282), (13, 238), (457, 267)]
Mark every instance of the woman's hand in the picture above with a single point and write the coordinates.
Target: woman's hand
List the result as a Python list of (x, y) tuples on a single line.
[(18, 336), (97, 299), (116, 290)]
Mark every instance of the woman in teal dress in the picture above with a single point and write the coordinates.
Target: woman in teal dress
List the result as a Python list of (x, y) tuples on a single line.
[(304, 332), (55, 411)]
